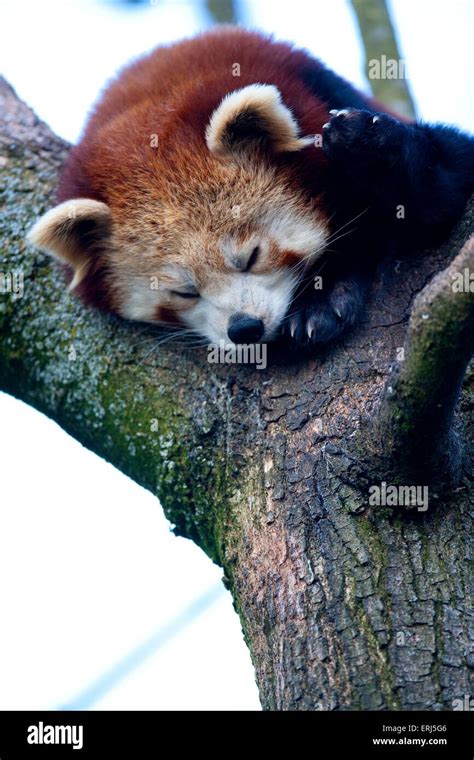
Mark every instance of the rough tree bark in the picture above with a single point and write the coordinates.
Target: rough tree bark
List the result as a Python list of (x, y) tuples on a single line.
[(343, 605)]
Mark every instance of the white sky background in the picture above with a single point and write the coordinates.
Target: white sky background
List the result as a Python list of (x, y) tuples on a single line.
[(89, 568)]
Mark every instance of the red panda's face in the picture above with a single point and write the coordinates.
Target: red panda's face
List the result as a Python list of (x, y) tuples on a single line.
[(220, 243), (227, 273)]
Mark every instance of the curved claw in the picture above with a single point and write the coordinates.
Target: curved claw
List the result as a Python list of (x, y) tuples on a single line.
[(310, 328)]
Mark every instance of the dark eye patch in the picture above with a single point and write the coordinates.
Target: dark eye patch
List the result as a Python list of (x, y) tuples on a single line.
[(184, 294), (252, 258)]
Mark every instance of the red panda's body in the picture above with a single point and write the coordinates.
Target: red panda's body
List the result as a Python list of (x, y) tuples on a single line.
[(202, 192), (172, 93)]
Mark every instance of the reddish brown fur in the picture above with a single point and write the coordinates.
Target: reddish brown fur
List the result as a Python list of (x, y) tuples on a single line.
[(172, 93)]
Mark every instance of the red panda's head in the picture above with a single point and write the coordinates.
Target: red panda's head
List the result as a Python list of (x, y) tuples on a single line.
[(212, 234)]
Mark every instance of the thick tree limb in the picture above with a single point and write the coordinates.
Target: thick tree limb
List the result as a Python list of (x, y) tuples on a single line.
[(342, 605), (415, 420)]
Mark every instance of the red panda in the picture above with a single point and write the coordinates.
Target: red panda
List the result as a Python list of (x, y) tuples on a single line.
[(217, 174)]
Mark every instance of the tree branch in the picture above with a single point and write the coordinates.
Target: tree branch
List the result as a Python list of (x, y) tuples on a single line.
[(380, 44), (415, 420), (222, 11)]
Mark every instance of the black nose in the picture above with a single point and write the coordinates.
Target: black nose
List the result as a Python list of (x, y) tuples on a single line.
[(245, 329)]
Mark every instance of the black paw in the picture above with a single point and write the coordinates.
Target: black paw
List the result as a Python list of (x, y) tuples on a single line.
[(373, 138), (316, 318)]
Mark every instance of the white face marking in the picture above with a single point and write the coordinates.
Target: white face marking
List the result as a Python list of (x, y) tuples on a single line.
[(300, 233), (142, 300), (262, 296)]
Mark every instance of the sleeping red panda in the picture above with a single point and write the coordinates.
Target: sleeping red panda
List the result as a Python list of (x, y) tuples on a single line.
[(217, 175)]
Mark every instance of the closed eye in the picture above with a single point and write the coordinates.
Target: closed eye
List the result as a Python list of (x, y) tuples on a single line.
[(252, 258), (185, 294)]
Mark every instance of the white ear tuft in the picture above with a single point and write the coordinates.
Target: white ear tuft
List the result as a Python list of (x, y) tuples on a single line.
[(253, 113), (71, 232)]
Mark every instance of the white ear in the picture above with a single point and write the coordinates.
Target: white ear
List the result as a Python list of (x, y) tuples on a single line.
[(254, 113), (71, 232)]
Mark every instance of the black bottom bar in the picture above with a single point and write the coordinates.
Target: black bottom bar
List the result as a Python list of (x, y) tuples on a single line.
[(155, 734)]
